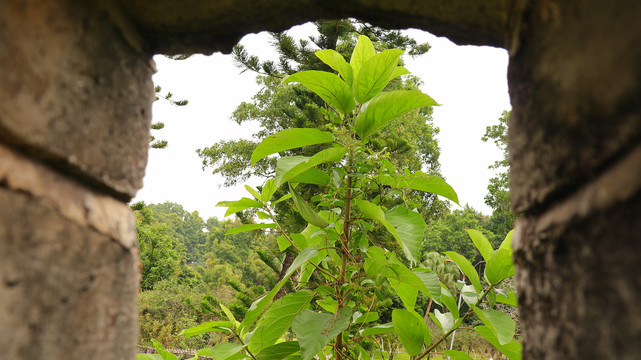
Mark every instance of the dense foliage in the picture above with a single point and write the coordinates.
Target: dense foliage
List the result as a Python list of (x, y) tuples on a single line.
[(189, 267), (411, 143), (341, 271), (498, 196), (348, 200)]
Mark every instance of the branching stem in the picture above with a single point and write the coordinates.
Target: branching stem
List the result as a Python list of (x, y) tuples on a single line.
[(469, 313)]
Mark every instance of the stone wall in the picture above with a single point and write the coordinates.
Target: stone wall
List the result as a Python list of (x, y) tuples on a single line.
[(75, 101), (75, 96), (575, 144)]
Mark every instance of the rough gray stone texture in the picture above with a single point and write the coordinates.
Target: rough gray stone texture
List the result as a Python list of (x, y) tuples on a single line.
[(575, 85), (580, 286), (575, 147), (76, 90), (196, 26), (578, 270), (68, 276)]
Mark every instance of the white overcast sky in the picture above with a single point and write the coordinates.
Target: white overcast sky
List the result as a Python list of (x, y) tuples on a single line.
[(469, 81)]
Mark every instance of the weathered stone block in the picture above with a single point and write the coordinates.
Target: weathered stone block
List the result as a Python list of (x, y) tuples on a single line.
[(579, 286), (76, 90), (197, 26), (575, 80), (578, 270), (68, 275)]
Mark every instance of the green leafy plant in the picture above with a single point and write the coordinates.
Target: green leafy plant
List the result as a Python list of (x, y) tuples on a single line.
[(341, 267)]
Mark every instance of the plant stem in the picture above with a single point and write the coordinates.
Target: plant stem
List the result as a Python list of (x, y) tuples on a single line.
[(280, 228), (242, 342), (338, 353), (469, 312)]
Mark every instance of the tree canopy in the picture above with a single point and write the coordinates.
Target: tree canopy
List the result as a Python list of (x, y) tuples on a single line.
[(498, 196), (413, 144)]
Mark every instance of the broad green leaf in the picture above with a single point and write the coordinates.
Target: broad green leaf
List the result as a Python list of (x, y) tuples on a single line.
[(280, 316), (290, 139), (508, 299), (239, 205), (399, 71), (512, 349), (372, 211), (466, 266), (329, 304), (253, 191), (469, 295), (328, 86), (387, 107), (375, 266), (491, 298), (222, 351), (336, 178), (445, 319), (507, 242), (283, 243), (481, 243), (432, 283), (229, 315), (166, 355), (366, 318), (368, 282), (375, 73), (362, 353), (404, 226), (306, 211), (362, 52), (315, 330), (211, 326), (409, 330), (449, 301), (310, 268), (285, 164), (430, 183), (407, 293), (500, 266), (378, 330), (301, 259), (410, 227), (500, 323), (337, 62), (311, 176), (436, 321), (404, 275), (278, 351), (258, 306), (285, 172), (300, 240), (268, 190), (282, 198), (457, 355), (263, 215), (249, 227), (312, 231), (421, 182)]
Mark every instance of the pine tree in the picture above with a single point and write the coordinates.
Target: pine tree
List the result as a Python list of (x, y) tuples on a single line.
[(412, 144)]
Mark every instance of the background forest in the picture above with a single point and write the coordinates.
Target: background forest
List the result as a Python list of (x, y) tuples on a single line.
[(189, 265)]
